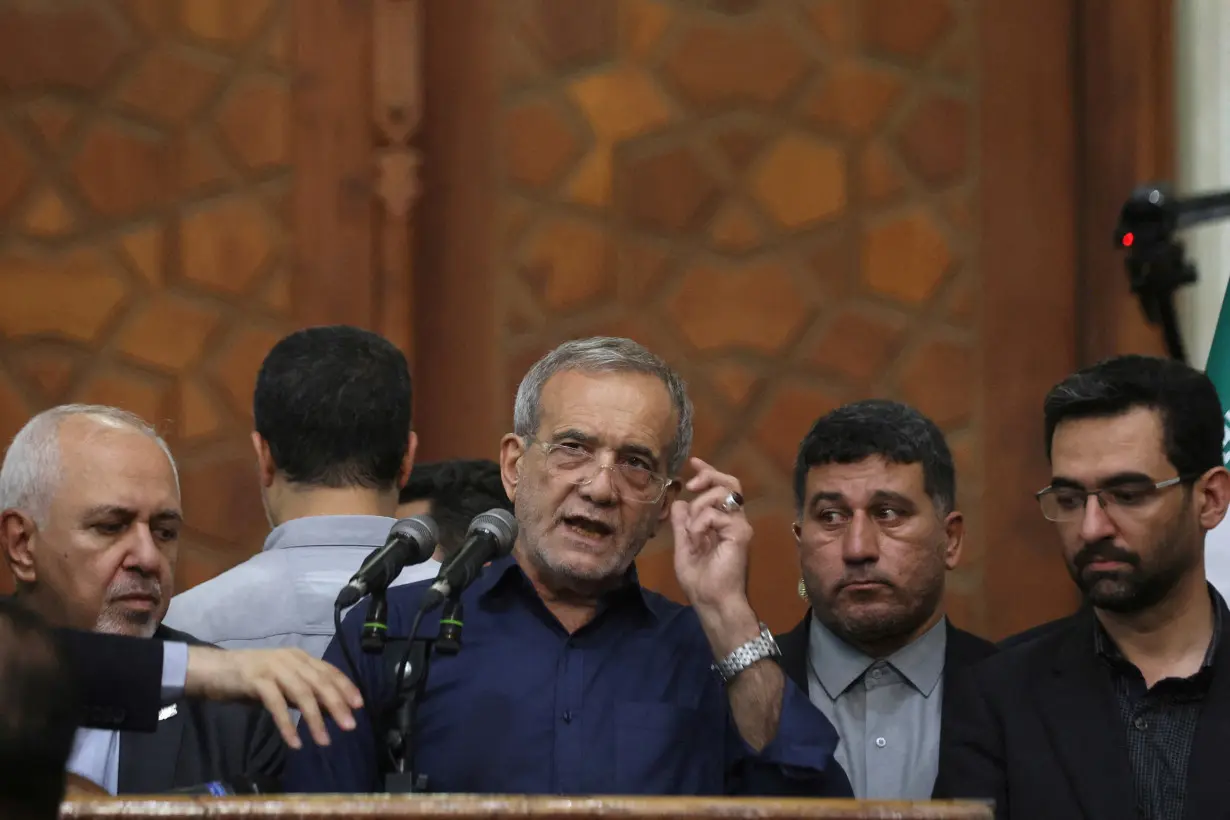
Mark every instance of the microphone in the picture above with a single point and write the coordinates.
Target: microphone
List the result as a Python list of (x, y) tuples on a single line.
[(490, 536), (242, 784), (411, 541)]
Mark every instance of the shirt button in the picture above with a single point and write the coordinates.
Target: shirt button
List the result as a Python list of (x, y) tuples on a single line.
[(876, 673), (567, 716), (881, 742), (1141, 723)]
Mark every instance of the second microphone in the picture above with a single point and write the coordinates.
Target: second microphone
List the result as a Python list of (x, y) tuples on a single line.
[(411, 541), (491, 535)]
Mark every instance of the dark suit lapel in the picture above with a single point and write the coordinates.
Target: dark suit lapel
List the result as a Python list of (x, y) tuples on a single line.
[(961, 649), (148, 759), (964, 648), (1207, 789), (1076, 698), (794, 645), (953, 661)]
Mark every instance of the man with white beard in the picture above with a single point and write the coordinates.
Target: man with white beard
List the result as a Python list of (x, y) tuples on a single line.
[(90, 518)]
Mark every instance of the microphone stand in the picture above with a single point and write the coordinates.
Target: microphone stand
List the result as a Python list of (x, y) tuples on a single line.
[(403, 776), (1156, 263), (375, 632), (410, 690), (452, 619)]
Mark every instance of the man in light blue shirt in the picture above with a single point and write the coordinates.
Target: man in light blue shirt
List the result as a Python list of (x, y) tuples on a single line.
[(333, 448)]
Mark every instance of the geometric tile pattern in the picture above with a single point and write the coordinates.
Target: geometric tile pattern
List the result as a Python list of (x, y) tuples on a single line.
[(144, 169), (779, 197)]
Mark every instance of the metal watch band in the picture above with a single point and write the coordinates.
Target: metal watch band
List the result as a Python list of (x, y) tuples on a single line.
[(749, 653)]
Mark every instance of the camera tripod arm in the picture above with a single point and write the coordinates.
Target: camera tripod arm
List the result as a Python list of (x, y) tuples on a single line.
[(1197, 210)]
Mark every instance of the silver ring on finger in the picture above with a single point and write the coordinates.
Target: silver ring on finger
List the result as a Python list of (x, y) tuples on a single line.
[(732, 503)]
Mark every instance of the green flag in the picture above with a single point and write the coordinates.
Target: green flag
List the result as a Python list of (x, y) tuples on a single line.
[(1217, 544), (1218, 366)]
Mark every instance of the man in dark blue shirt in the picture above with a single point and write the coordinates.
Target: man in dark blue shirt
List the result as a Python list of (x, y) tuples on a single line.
[(572, 678)]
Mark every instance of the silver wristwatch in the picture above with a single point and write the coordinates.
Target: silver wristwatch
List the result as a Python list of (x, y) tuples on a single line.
[(749, 653)]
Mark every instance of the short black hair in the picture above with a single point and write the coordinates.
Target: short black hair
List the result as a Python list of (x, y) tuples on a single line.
[(890, 430), (333, 403), (1184, 398), (458, 490), (38, 715)]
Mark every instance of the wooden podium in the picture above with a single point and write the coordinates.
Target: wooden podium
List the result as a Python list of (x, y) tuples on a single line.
[(465, 807)]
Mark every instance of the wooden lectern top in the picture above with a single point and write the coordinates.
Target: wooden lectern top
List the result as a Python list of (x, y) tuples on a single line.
[(461, 807)]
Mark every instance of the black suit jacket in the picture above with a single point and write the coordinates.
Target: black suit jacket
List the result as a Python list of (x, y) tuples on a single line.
[(1039, 732), (962, 650), (117, 679), (201, 741), (1033, 633)]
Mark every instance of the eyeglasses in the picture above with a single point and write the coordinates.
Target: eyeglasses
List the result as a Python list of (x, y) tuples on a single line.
[(1068, 503), (577, 465)]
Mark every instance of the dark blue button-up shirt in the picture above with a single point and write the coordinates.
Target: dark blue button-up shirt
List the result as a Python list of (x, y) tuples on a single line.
[(628, 704)]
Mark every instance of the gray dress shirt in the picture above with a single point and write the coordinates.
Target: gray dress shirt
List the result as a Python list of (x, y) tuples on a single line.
[(887, 711), (283, 596)]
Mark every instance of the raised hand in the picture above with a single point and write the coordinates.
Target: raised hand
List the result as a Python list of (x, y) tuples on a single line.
[(711, 539)]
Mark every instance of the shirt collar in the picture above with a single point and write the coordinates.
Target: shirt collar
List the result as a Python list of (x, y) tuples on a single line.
[(838, 665), (330, 531), (504, 575), (1106, 648)]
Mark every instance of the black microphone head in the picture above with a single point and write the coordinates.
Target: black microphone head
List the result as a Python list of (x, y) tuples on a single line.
[(500, 524), (422, 531)]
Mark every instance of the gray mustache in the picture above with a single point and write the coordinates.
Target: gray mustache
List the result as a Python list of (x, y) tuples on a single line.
[(133, 586)]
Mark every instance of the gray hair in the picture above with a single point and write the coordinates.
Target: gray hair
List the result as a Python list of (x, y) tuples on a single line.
[(605, 354), (31, 469)]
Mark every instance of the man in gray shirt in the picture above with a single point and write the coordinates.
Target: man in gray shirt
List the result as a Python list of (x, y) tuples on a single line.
[(877, 530), (333, 448)]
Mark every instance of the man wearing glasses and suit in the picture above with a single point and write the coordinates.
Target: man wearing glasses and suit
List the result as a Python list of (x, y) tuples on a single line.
[(1124, 709)]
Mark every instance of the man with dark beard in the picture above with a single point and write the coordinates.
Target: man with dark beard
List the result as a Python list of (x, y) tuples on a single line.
[(1124, 711), (878, 530)]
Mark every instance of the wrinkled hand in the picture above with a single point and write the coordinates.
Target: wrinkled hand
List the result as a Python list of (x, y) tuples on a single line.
[(276, 677), (711, 544)]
